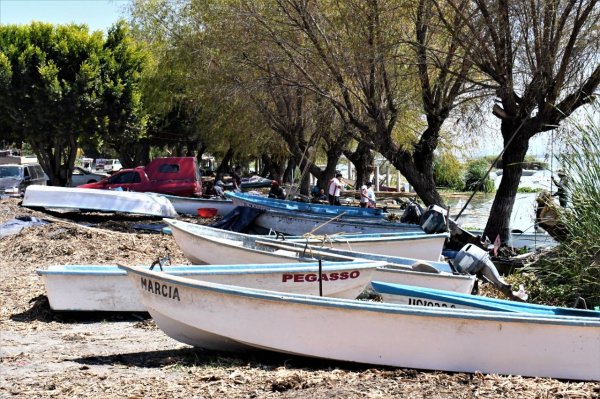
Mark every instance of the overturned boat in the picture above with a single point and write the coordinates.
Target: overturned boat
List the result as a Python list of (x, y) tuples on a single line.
[(88, 199)]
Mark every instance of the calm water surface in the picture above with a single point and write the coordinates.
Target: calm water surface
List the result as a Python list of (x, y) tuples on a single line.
[(476, 214)]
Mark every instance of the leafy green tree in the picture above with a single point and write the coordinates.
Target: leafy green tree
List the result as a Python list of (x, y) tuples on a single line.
[(51, 90), (476, 178), (448, 172), (121, 115)]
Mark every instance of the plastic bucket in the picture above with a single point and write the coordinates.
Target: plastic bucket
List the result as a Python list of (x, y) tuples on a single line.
[(207, 212)]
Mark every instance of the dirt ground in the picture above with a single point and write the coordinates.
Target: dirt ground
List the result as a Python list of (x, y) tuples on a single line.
[(44, 354)]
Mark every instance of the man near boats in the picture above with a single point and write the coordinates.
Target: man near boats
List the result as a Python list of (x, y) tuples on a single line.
[(371, 196), (364, 196), (237, 179), (276, 190), (561, 185), (218, 188), (334, 189), (367, 196)]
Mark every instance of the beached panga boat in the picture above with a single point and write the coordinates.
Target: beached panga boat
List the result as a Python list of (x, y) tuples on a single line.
[(207, 245), (107, 288), (420, 296), (227, 317), (268, 204)]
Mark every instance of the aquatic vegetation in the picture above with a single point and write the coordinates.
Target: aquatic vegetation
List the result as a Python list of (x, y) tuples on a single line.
[(476, 172)]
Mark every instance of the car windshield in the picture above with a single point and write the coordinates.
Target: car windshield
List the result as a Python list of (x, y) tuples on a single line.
[(10, 171)]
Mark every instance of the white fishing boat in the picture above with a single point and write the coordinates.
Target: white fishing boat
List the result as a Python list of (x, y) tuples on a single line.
[(107, 288), (208, 245), (97, 200), (409, 245), (203, 244), (190, 205), (226, 317), (300, 223), (403, 270)]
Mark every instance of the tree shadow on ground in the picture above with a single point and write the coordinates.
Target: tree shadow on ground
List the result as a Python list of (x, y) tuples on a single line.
[(40, 311)]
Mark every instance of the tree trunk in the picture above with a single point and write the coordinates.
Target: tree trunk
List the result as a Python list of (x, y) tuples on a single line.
[(224, 165), (512, 168), (422, 181), (362, 159), (288, 173)]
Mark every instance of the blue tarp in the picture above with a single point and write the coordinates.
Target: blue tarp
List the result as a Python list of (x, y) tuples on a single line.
[(239, 219), (17, 224)]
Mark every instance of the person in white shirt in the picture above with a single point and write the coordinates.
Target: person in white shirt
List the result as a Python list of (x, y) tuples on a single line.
[(364, 196), (371, 200), (334, 189)]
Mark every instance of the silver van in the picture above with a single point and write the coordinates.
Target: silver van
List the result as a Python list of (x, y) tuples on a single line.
[(15, 178)]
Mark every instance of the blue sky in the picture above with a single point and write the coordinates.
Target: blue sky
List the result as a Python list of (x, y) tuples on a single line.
[(97, 14)]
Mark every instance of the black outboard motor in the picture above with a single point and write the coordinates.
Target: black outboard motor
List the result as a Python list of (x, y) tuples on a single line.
[(434, 219), (412, 214), (473, 260)]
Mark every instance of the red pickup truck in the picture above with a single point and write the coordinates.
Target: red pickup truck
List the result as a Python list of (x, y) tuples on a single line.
[(170, 175)]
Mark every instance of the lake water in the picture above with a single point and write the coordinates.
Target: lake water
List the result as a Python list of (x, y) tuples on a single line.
[(476, 214)]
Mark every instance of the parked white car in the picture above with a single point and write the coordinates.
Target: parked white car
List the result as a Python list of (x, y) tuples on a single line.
[(81, 176), (112, 165)]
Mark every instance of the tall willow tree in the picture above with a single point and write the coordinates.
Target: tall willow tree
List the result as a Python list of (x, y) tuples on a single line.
[(380, 63), (542, 60), (189, 87)]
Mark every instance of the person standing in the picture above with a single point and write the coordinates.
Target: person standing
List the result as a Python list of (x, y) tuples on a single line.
[(364, 196), (561, 185), (371, 200), (334, 189)]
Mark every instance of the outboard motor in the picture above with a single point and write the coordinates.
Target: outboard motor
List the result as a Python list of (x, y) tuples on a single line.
[(412, 213), (434, 219), (474, 260)]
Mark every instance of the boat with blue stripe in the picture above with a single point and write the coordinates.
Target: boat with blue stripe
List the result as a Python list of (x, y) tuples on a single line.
[(265, 203), (420, 296)]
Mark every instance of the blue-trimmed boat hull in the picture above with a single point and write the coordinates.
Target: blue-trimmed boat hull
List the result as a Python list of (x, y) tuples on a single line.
[(417, 296), (264, 203)]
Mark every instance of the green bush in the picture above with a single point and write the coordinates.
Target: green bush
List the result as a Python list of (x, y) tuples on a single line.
[(476, 171), (448, 172)]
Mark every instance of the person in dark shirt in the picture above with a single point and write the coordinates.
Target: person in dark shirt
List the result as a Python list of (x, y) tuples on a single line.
[(276, 191), (562, 191), (237, 179)]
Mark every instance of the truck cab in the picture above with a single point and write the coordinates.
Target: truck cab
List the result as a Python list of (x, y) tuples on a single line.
[(177, 176)]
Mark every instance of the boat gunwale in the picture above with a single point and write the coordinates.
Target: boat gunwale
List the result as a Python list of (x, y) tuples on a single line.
[(184, 270)]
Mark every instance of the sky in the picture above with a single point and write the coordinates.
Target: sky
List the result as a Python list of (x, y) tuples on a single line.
[(97, 14)]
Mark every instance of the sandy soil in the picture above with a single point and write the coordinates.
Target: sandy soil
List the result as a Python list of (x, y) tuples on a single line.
[(44, 354)]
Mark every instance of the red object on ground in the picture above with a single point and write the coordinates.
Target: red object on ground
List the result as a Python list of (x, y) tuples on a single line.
[(207, 212)]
